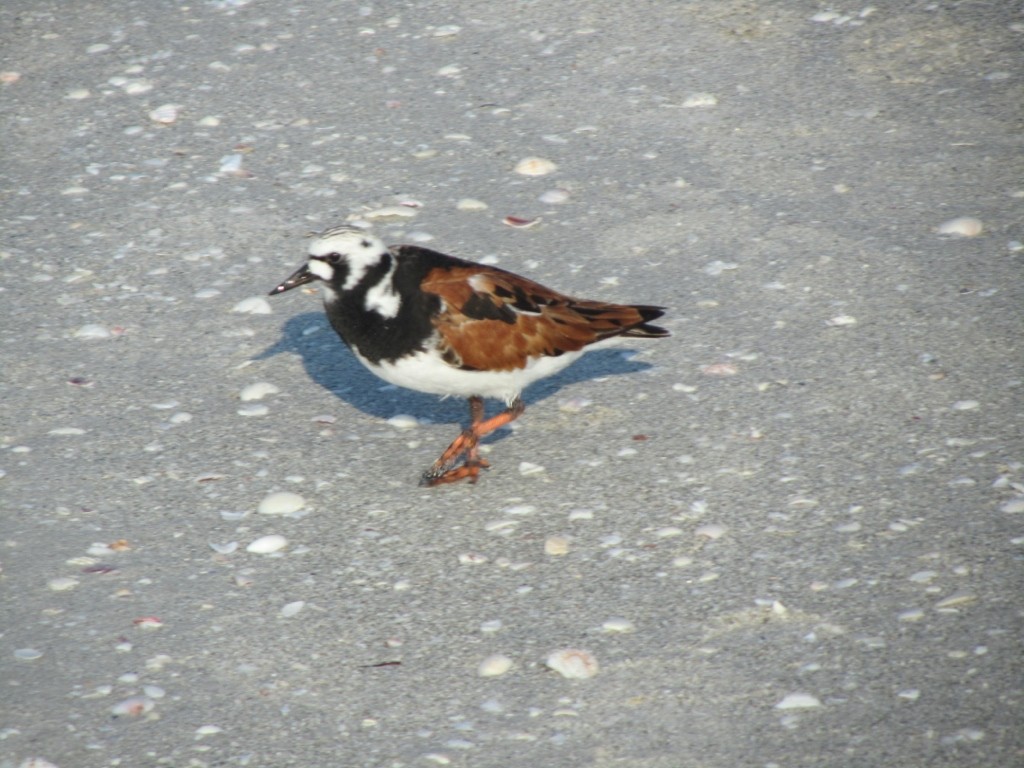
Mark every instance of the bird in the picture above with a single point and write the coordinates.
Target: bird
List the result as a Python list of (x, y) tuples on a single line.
[(435, 323)]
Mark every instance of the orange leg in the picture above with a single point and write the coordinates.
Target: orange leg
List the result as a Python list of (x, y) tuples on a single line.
[(444, 470)]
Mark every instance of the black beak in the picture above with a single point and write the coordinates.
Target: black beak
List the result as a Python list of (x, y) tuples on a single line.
[(301, 276)]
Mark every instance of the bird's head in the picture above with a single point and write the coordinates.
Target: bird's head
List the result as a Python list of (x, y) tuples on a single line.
[(339, 256)]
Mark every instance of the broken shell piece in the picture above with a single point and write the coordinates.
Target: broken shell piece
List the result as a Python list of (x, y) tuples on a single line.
[(518, 222), (133, 707), (390, 212)]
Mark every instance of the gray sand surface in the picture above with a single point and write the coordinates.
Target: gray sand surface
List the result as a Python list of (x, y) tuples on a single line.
[(790, 535)]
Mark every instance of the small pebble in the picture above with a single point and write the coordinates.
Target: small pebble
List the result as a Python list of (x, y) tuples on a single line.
[(965, 405), (268, 544), (494, 666), (254, 305), (963, 226), (27, 654), (469, 204), (535, 166), (258, 391), (35, 762), (572, 663), (293, 608), (281, 503), (798, 701)]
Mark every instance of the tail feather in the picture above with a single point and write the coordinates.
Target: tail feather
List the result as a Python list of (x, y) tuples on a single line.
[(644, 329)]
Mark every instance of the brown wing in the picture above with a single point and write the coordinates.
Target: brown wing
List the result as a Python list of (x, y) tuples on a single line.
[(498, 321)]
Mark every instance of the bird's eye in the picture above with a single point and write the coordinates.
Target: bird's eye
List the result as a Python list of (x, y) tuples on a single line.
[(333, 258)]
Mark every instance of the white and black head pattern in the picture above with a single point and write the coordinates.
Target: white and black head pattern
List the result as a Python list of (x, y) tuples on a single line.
[(371, 292)]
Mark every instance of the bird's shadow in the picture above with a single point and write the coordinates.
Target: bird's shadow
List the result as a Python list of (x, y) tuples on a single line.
[(334, 368)]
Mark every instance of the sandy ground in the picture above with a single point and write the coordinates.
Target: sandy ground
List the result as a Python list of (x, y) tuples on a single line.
[(790, 535)]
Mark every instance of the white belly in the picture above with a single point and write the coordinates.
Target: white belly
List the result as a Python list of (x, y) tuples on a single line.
[(427, 372)]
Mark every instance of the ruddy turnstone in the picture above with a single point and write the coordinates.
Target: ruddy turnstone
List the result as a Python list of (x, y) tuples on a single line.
[(434, 323)]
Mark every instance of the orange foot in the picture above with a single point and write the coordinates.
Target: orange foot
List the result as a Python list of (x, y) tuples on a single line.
[(444, 471)]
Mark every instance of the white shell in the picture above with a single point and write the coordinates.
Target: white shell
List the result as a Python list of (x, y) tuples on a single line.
[(1013, 506), (535, 166), (258, 391), (254, 305), (700, 100), (281, 503), (556, 545), (403, 421), (964, 226), (268, 544), (494, 666), (618, 624), (165, 113), (572, 663), (92, 331), (62, 583), (799, 701)]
